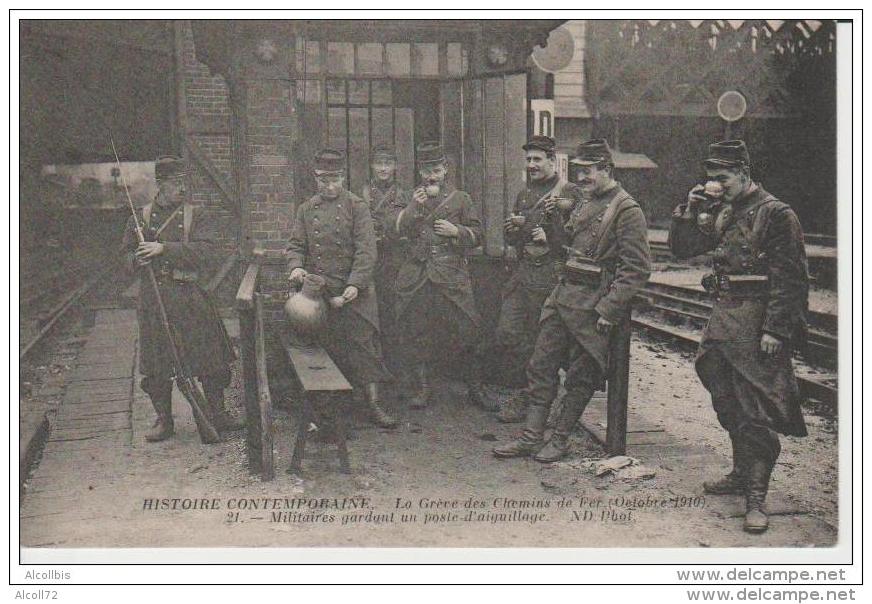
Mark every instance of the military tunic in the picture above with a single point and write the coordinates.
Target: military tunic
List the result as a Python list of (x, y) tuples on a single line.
[(203, 343), (534, 277), (335, 238), (610, 232), (755, 235), (383, 203), (434, 288)]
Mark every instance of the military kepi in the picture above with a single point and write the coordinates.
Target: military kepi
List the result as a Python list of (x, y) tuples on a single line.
[(329, 161), (384, 153), (592, 152), (540, 143), (728, 154), (169, 166), (429, 153)]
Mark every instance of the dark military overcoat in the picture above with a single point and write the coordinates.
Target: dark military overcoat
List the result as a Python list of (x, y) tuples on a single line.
[(203, 343), (439, 260), (755, 235), (616, 241)]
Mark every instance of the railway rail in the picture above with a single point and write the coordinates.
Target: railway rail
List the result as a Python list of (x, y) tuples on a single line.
[(679, 314)]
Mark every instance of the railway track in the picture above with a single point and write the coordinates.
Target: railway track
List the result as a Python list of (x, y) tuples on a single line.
[(679, 315)]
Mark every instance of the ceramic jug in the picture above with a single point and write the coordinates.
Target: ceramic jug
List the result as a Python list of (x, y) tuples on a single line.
[(306, 309)]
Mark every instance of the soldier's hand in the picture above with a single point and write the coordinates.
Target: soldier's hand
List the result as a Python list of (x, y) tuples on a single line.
[(350, 293), (297, 276), (420, 195), (550, 205), (149, 249), (695, 196), (539, 235), (770, 344), (337, 301), (444, 228), (603, 325)]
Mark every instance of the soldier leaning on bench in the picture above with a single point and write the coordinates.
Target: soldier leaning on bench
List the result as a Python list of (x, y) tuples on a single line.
[(178, 239), (760, 287), (609, 261), (333, 236)]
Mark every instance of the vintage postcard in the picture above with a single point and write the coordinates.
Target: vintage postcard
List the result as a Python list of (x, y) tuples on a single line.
[(433, 282)]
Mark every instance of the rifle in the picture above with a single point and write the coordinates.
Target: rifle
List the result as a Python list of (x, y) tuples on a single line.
[(186, 383)]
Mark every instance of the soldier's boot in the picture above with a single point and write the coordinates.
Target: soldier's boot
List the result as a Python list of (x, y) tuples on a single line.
[(574, 404), (220, 417), (531, 438), (421, 398), (514, 410), (373, 402), (164, 427), (735, 482), (759, 472)]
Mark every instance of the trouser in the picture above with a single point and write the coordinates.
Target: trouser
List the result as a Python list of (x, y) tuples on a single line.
[(160, 389), (515, 336), (557, 347), (437, 332)]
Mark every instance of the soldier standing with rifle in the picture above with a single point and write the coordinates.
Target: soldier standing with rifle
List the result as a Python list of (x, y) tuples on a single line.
[(609, 262), (535, 230), (435, 306), (177, 241), (383, 194), (760, 287), (333, 236)]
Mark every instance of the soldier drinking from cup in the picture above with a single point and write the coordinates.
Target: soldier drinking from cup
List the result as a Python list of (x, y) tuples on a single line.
[(435, 307), (760, 289)]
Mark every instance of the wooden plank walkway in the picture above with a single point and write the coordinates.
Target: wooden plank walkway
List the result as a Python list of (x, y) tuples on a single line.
[(88, 436)]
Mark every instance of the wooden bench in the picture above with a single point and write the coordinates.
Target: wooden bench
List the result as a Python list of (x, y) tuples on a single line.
[(323, 386)]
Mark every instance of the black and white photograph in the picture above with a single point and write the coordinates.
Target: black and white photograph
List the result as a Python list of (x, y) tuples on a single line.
[(430, 283)]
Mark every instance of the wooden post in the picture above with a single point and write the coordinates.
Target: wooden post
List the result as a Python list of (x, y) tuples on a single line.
[(618, 387), (245, 306), (267, 468)]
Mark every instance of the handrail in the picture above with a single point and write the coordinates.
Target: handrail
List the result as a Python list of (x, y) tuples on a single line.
[(248, 285)]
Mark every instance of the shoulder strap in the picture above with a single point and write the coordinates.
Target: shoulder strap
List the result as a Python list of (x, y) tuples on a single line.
[(440, 206), (754, 233), (609, 216)]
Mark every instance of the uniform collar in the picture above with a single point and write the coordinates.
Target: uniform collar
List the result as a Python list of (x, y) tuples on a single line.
[(383, 187), (338, 198), (755, 193), (608, 193), (544, 185)]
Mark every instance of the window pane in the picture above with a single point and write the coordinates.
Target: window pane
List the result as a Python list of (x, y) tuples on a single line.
[(336, 130), (369, 59), (340, 58), (358, 92), (398, 60), (427, 59), (404, 144), (455, 59), (313, 57), (358, 152), (336, 92), (382, 127), (381, 92), (309, 91)]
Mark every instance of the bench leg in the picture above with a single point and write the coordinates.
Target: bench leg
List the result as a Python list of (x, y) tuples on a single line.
[(340, 417), (302, 434)]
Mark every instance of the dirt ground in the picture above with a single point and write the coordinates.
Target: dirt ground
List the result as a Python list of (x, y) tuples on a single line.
[(434, 482)]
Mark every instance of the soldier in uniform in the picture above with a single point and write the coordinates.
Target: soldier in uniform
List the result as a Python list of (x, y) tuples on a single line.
[(760, 287), (435, 306), (535, 230), (383, 194), (609, 262), (178, 240), (333, 236)]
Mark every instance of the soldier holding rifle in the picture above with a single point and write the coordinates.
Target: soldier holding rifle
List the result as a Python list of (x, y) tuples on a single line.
[(610, 261), (535, 230), (177, 241), (435, 306), (333, 236), (760, 288)]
